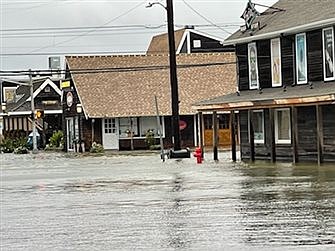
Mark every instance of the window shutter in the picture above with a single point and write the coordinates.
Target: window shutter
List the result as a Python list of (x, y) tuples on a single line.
[(264, 63), (287, 58), (243, 74), (314, 55)]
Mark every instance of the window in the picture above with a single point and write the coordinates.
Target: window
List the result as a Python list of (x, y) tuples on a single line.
[(128, 126), (196, 43), (283, 126), (258, 125), (9, 94), (253, 68), (150, 123), (276, 62), (110, 126), (328, 53), (301, 58), (139, 126)]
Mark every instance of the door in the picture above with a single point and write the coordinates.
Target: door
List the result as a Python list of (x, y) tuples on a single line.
[(70, 134), (110, 134), (223, 130)]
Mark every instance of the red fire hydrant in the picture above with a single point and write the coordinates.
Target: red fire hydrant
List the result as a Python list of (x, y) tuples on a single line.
[(198, 155)]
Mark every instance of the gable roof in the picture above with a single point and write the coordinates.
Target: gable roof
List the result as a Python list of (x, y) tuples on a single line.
[(160, 43), (128, 85), (23, 102), (297, 16)]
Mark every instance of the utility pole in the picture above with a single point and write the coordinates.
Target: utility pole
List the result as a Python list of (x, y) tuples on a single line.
[(33, 111), (173, 76)]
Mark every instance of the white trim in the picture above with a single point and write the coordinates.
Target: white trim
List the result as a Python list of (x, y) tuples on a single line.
[(189, 48), (19, 113), (180, 46), (254, 45), (296, 59), (292, 30), (4, 92), (45, 83), (53, 111), (282, 141), (324, 56), (272, 63), (258, 141), (195, 131), (206, 35)]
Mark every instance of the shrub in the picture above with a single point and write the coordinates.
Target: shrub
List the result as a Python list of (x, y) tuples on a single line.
[(96, 148), (8, 145), (57, 139), (150, 138), (21, 150)]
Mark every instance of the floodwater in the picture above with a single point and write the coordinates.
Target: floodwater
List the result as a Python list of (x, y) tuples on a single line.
[(57, 202)]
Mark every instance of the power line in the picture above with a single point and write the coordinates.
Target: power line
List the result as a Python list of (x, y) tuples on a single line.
[(205, 18), (111, 69), (87, 32)]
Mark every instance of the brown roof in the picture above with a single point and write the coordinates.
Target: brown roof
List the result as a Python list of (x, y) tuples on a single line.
[(295, 14), (160, 43), (129, 86)]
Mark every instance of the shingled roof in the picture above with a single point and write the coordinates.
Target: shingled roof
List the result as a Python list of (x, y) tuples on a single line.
[(296, 16), (160, 44), (129, 84)]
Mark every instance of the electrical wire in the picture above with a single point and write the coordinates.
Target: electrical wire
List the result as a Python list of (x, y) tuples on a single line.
[(87, 32), (205, 18), (111, 69)]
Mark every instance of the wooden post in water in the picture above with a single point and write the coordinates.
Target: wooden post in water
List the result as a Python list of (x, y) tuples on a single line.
[(272, 136), (233, 135), (215, 135), (295, 153), (251, 136), (319, 127)]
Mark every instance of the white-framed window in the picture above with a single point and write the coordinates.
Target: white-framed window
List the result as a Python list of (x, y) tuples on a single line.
[(196, 43), (283, 126), (128, 127), (276, 62), (150, 123), (301, 58), (328, 53), (258, 126), (9, 94), (139, 126), (253, 67)]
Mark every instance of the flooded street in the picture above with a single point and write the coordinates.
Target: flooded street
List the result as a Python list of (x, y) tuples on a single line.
[(56, 202)]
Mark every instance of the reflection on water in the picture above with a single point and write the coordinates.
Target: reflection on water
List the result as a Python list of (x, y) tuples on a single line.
[(49, 202)]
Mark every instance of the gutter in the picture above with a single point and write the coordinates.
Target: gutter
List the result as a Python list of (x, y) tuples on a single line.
[(292, 30)]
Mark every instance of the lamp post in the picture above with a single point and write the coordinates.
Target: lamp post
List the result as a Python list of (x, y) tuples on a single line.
[(79, 110), (173, 74)]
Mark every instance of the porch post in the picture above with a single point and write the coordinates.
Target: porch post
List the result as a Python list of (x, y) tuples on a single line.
[(272, 136), (215, 135), (251, 136), (319, 134), (295, 134), (233, 135), (201, 133)]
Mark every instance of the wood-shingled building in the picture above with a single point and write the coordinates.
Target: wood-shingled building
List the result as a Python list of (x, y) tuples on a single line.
[(286, 82), (117, 94)]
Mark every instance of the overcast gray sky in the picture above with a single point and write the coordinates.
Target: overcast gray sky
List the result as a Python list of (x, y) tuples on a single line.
[(29, 37)]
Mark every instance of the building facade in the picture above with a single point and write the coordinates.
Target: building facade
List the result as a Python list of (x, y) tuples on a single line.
[(286, 83)]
